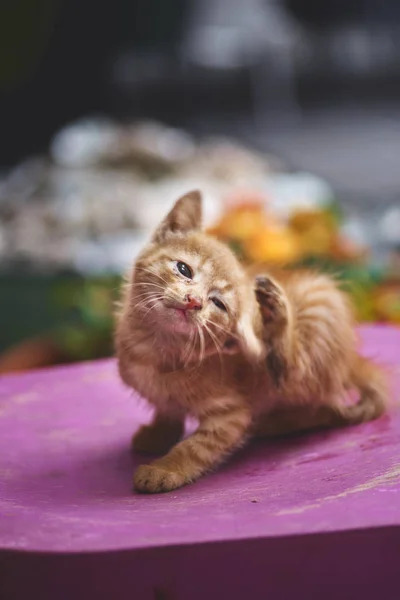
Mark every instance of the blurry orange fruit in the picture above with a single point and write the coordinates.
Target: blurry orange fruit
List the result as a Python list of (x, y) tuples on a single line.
[(273, 244), (387, 303), (240, 222)]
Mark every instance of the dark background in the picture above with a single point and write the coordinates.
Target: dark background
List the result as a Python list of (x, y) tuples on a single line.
[(58, 58)]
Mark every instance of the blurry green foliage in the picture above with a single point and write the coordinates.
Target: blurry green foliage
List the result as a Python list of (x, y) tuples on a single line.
[(89, 304)]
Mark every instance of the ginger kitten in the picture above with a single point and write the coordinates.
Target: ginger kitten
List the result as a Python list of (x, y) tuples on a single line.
[(199, 335)]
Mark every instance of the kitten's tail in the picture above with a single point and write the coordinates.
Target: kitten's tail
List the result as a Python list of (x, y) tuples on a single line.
[(371, 381)]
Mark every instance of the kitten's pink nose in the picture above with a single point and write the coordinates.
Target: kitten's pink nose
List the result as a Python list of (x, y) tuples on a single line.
[(193, 303)]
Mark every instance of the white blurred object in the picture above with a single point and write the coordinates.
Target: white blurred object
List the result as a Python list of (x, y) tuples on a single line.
[(24, 180), (288, 192), (96, 142), (108, 254), (89, 202), (230, 34), (97, 218), (227, 161), (356, 230), (258, 35), (3, 240), (83, 143), (171, 144), (158, 198), (389, 226)]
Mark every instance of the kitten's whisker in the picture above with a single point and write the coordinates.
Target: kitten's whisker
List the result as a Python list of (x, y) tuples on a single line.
[(145, 298), (192, 347), (152, 273), (189, 343), (147, 295), (198, 335), (144, 293), (217, 345), (208, 330), (144, 283), (146, 302), (202, 345), (196, 339), (173, 297), (149, 310), (212, 336), (220, 327)]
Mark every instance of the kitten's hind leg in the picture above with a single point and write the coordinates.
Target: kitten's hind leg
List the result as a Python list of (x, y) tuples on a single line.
[(287, 421), (273, 303), (274, 309), (158, 437), (371, 381)]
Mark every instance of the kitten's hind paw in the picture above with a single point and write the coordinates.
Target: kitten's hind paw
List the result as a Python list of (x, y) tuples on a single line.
[(271, 299), (274, 312)]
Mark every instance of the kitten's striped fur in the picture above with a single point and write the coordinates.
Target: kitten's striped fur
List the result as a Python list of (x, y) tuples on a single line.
[(245, 355)]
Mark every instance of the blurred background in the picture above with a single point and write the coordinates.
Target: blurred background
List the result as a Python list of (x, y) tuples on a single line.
[(285, 113)]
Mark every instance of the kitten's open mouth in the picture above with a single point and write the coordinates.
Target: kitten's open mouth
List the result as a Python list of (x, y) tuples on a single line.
[(180, 319), (177, 312), (182, 313), (175, 306)]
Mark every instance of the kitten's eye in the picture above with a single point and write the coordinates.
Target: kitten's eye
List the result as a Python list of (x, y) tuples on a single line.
[(219, 304), (184, 270)]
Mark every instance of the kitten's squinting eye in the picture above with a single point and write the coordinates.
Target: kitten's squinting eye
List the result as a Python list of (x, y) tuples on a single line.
[(184, 270), (219, 304)]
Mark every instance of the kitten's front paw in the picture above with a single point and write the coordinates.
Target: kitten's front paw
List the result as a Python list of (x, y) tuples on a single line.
[(271, 299), (152, 479), (157, 438)]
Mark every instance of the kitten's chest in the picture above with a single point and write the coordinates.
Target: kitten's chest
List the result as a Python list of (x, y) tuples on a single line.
[(148, 383), (187, 391)]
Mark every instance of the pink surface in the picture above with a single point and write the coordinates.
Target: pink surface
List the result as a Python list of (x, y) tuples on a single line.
[(66, 471)]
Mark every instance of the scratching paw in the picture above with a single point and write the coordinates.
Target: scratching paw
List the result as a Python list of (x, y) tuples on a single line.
[(153, 479), (271, 299)]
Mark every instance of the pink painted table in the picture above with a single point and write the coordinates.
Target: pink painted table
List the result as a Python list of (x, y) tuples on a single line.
[(314, 516)]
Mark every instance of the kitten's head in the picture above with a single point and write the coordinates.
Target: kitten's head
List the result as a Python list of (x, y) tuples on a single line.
[(188, 286)]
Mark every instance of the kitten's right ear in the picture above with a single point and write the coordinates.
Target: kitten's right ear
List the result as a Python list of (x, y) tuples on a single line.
[(185, 216)]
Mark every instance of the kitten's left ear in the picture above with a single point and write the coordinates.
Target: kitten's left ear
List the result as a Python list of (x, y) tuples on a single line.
[(185, 216)]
